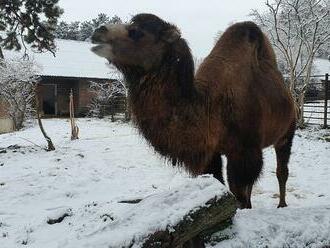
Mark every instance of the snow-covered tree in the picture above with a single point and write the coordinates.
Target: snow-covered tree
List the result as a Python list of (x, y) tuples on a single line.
[(100, 20), (86, 30), (115, 19), (297, 29), (105, 92), (68, 31), (324, 51), (28, 21), (17, 88), (62, 29), (83, 30)]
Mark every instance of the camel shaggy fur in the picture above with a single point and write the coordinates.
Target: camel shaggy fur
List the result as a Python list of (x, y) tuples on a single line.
[(235, 105)]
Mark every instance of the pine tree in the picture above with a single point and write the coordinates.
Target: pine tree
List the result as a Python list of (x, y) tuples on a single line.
[(101, 19), (86, 30), (62, 30), (83, 30), (115, 20), (73, 31), (28, 21)]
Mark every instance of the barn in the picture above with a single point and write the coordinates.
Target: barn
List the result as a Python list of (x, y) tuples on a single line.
[(73, 68)]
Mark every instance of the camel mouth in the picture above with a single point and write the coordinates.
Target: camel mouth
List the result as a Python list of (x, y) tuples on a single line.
[(98, 46), (103, 50), (98, 42), (102, 46)]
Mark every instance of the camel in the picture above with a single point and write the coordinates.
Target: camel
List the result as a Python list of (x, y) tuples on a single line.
[(235, 105)]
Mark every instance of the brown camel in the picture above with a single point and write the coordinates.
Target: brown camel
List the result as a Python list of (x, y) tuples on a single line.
[(235, 105)]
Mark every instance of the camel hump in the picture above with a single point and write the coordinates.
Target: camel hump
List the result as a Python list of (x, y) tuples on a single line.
[(251, 32), (242, 34), (247, 29), (254, 32)]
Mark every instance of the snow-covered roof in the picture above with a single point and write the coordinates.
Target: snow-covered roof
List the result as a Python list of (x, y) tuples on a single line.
[(73, 59), (322, 66)]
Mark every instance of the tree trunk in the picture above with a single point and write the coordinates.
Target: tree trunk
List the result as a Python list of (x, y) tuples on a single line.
[(50, 145), (188, 233), (300, 114), (1, 54), (19, 119)]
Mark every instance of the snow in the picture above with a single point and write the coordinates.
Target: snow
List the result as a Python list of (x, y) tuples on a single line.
[(306, 222), (73, 59), (85, 180), (322, 66), (159, 211), (303, 227)]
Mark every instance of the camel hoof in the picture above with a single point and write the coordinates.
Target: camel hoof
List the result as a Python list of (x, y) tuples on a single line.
[(282, 205), (244, 205)]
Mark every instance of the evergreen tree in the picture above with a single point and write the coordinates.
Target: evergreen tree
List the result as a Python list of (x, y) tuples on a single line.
[(62, 30), (83, 30), (115, 20), (73, 31), (86, 30), (28, 21), (101, 19)]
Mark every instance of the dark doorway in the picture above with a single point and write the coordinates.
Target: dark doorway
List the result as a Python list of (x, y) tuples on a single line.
[(49, 99)]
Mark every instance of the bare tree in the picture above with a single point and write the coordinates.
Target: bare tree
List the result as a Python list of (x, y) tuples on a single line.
[(105, 92), (18, 87), (297, 29), (17, 83)]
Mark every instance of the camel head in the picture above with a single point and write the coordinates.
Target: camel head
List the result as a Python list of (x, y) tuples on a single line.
[(142, 43)]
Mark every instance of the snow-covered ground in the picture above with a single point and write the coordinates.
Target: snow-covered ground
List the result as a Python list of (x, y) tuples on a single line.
[(86, 179)]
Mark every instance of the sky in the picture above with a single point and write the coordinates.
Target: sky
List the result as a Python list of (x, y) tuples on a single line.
[(198, 20)]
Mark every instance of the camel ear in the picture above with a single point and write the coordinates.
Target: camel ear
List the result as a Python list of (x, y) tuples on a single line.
[(170, 35)]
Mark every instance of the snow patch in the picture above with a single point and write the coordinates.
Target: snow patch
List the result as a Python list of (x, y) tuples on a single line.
[(156, 212)]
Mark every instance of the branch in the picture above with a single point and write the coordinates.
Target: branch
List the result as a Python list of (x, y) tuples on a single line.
[(21, 22)]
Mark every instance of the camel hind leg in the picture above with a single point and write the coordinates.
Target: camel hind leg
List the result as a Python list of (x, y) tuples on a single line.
[(283, 152)]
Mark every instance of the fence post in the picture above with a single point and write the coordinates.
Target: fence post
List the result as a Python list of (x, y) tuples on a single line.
[(326, 98)]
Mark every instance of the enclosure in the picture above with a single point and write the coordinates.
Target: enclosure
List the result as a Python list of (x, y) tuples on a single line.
[(317, 101)]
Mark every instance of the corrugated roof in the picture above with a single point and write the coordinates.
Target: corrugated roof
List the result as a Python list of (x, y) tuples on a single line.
[(73, 59)]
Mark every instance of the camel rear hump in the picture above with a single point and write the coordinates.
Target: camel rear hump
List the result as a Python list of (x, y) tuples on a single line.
[(243, 42)]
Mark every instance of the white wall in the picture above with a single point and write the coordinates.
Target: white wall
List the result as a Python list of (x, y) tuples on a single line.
[(6, 125)]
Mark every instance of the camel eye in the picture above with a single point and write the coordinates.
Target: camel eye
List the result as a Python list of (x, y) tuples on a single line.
[(135, 34)]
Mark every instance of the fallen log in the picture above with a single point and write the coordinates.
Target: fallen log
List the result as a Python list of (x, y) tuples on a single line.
[(214, 216), (177, 216)]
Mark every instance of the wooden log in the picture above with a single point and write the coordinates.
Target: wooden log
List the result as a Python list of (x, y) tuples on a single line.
[(216, 215), (178, 217)]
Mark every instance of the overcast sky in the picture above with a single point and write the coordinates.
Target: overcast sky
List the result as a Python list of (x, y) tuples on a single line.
[(199, 21)]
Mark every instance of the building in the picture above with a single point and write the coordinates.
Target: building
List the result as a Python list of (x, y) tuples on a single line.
[(73, 68), (6, 124)]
